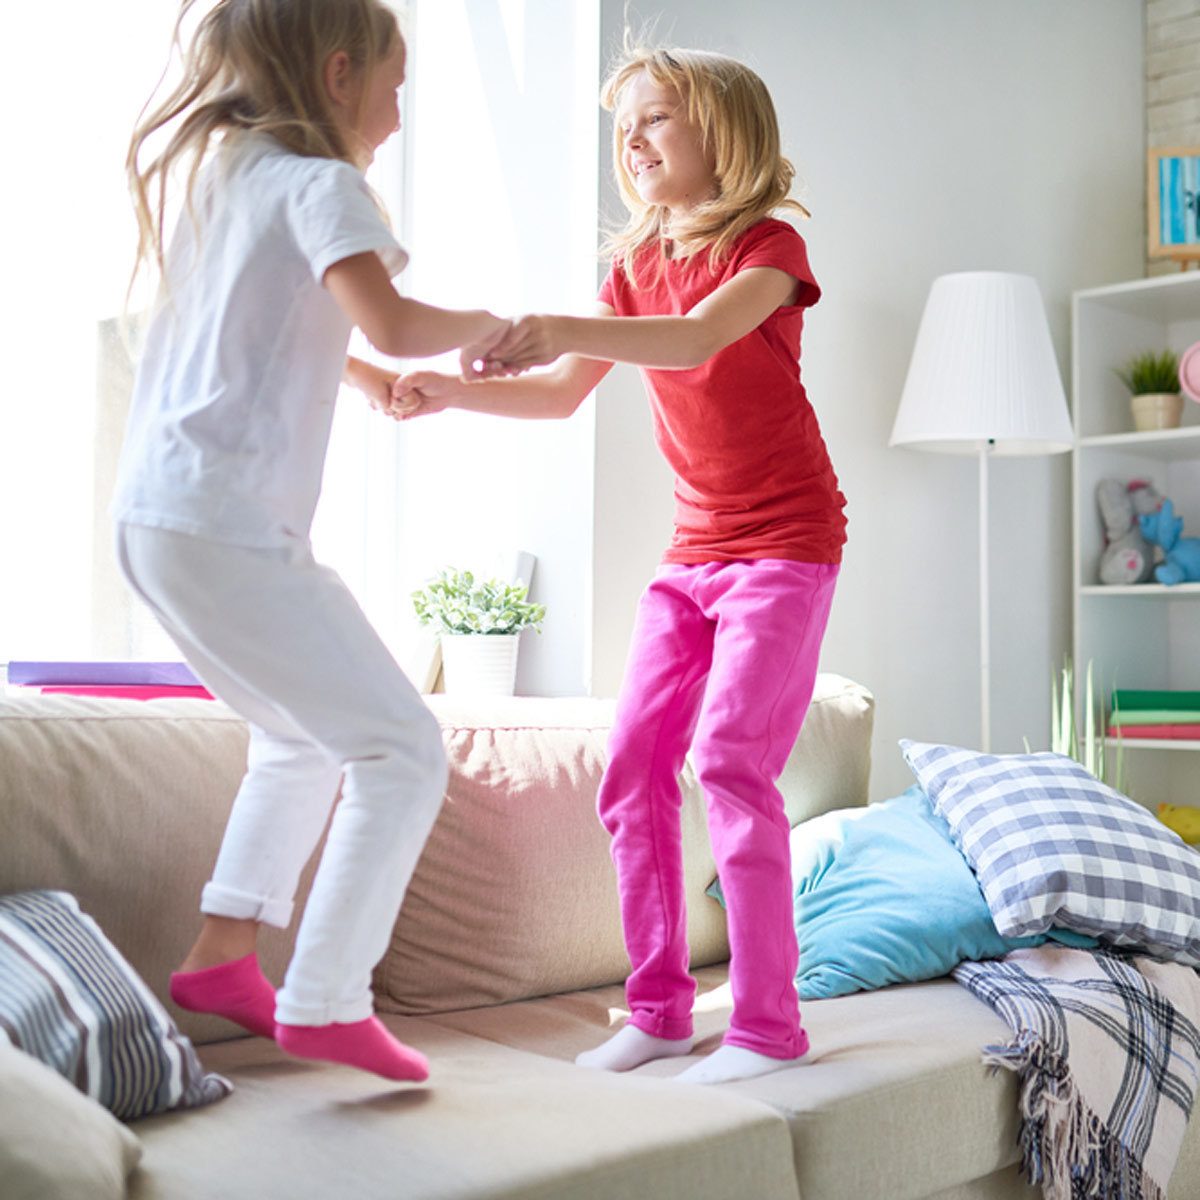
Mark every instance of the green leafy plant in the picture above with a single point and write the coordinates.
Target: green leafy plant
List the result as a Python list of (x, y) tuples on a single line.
[(1089, 748), (455, 602), (1151, 373)]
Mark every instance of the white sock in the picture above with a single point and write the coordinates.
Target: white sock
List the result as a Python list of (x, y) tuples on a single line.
[(630, 1048), (728, 1063)]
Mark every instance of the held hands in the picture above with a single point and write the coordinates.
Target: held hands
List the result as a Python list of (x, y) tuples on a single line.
[(510, 348), (422, 393), (374, 382), (530, 341)]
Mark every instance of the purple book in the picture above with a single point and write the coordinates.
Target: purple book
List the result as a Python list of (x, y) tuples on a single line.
[(170, 674)]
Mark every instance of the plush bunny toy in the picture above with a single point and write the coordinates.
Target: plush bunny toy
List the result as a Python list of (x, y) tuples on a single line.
[(1182, 554), (1127, 556)]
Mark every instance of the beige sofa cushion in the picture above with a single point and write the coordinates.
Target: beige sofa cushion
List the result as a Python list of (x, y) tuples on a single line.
[(515, 894), (54, 1141), (491, 1122), (123, 804)]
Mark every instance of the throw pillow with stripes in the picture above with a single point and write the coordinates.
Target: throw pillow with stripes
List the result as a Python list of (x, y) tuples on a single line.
[(1052, 845), (70, 999)]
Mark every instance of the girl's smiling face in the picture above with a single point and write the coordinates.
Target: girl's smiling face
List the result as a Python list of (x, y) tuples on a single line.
[(661, 150)]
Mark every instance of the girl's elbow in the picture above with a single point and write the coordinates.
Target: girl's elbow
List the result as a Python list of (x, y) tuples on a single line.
[(565, 406), (700, 348), (387, 339), (695, 357)]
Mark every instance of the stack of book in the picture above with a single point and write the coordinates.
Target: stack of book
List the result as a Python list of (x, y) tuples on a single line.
[(1170, 714), (123, 680)]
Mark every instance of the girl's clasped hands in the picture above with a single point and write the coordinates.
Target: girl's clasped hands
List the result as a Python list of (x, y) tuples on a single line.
[(529, 341)]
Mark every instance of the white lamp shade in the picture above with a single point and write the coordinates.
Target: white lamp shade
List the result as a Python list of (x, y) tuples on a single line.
[(983, 371)]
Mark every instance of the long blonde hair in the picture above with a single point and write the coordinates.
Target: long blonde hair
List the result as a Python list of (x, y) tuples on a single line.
[(252, 64), (731, 107)]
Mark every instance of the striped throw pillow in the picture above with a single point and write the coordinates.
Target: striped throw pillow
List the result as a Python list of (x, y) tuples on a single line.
[(70, 999), (1052, 845)]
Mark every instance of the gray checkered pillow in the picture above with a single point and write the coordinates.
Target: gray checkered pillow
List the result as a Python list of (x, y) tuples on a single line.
[(1052, 845)]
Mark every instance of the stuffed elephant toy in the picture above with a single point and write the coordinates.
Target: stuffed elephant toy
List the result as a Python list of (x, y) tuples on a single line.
[(1127, 557), (1163, 528)]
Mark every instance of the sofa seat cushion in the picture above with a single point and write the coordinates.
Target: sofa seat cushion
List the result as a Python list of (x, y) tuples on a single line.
[(492, 1122), (892, 1101)]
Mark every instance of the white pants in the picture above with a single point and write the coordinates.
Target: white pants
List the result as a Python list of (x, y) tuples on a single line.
[(282, 641)]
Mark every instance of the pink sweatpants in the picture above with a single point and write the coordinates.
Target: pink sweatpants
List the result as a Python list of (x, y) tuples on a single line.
[(723, 659)]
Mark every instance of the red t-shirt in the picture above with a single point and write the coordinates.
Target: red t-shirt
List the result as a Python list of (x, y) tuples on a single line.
[(752, 476)]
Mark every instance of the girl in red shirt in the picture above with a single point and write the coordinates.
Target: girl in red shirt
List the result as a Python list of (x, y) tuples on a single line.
[(706, 293)]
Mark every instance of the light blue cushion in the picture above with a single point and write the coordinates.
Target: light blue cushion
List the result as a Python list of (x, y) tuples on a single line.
[(883, 896)]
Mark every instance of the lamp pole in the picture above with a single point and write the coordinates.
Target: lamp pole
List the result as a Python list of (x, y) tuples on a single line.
[(985, 654)]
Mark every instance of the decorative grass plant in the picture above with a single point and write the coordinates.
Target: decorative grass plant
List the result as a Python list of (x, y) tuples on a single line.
[(1089, 749), (1151, 373)]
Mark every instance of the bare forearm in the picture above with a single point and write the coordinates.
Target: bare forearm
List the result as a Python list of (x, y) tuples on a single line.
[(397, 325), (359, 374), (531, 397), (666, 343), (418, 330)]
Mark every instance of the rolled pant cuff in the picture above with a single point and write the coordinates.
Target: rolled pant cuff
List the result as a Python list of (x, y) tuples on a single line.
[(796, 1048), (219, 901), (296, 1012), (672, 1029)]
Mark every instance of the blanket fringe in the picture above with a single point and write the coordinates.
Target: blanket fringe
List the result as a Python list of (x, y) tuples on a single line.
[(1064, 1145)]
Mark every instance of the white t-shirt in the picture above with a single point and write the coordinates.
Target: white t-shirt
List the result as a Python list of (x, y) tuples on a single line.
[(233, 402)]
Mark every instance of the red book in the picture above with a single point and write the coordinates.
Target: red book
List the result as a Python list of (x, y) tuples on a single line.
[(1174, 732), (130, 691)]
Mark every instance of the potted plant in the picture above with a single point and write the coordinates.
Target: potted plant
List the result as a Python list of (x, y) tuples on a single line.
[(1153, 382), (478, 623)]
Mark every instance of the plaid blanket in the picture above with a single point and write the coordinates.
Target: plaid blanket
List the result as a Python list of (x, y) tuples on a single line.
[(1107, 1049)]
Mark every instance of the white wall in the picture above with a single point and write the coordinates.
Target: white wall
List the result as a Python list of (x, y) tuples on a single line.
[(933, 136)]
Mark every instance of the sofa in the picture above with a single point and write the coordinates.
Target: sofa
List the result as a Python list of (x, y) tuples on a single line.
[(506, 961)]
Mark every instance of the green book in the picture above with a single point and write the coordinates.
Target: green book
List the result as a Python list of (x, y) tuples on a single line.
[(1156, 716), (1127, 700)]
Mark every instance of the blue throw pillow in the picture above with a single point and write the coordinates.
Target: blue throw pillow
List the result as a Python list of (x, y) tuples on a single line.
[(883, 896)]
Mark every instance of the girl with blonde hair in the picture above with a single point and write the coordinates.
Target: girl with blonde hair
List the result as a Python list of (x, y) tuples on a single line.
[(706, 293), (280, 250)]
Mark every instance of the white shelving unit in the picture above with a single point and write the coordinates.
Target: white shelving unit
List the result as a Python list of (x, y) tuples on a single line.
[(1147, 635)]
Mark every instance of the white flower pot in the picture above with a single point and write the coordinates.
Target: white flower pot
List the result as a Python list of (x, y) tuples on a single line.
[(480, 664), (1157, 410)]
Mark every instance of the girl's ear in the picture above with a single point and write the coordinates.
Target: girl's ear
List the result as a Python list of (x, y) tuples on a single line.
[(339, 79)]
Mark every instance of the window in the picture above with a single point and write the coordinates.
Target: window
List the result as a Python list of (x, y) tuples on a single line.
[(493, 189)]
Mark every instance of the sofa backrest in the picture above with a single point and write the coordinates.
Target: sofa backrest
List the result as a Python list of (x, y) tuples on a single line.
[(123, 803)]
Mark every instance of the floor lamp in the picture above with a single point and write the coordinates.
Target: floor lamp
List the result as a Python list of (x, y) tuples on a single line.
[(983, 380)]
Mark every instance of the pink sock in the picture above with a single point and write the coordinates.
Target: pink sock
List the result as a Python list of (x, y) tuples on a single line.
[(366, 1044), (236, 990)]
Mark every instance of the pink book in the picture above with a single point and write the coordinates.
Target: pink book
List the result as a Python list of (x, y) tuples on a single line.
[(1174, 732), (129, 691)]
